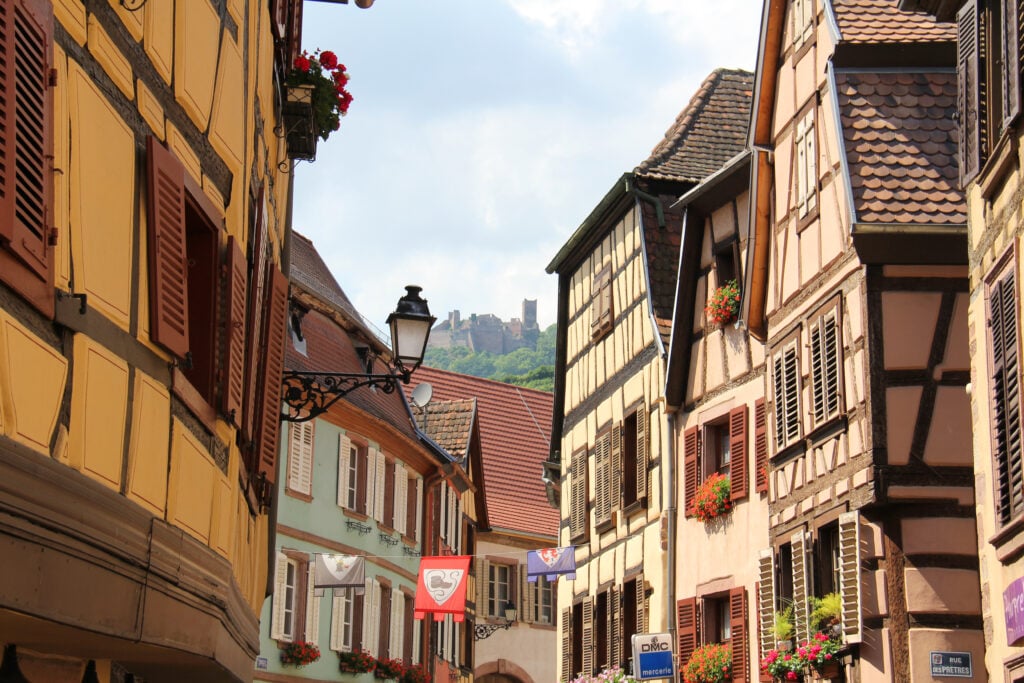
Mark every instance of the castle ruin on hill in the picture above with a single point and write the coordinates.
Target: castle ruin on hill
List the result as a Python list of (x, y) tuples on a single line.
[(488, 332)]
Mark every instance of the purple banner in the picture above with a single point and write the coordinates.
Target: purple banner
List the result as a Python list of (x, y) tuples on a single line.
[(551, 563), (1013, 611)]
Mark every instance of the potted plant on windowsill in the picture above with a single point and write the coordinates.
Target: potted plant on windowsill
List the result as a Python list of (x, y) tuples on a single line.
[(299, 653), (356, 662), (315, 100), (392, 669), (783, 627), (711, 663), (712, 498), (724, 306)]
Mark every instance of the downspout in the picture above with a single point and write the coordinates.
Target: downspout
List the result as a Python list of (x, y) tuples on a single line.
[(670, 512)]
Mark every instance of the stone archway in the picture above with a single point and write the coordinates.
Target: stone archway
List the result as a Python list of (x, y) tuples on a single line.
[(501, 671)]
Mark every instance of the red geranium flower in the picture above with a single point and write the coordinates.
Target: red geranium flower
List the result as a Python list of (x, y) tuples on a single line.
[(328, 59)]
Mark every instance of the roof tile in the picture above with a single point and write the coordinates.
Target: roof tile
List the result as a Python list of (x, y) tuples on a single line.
[(881, 21)]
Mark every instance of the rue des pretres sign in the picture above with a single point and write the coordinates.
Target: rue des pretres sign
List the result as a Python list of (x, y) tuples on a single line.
[(652, 656), (1013, 611)]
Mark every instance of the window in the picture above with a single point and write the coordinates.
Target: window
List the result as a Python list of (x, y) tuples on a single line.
[(578, 526), (719, 446), (289, 604), (346, 621), (408, 633), (806, 164), (26, 183), (1005, 396), (635, 457), (353, 474), (500, 579), (786, 390), (826, 361), (602, 309), (295, 609), (634, 612), (726, 258), (826, 560), (718, 618), (300, 457), (541, 602), (607, 475), (803, 21)]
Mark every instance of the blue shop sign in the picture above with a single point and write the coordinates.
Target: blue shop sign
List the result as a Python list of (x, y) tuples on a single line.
[(652, 656)]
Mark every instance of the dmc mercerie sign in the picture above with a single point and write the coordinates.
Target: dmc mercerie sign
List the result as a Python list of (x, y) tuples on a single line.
[(652, 656)]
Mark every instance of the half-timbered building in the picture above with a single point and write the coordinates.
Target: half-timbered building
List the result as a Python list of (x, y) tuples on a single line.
[(857, 281), (616, 286)]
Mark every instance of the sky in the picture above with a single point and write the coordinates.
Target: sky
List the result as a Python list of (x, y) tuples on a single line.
[(483, 132)]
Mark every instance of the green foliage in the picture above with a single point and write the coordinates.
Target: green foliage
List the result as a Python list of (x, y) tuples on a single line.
[(827, 611), (784, 623), (525, 367)]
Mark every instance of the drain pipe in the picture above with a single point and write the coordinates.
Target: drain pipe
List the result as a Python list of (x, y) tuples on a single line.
[(670, 512)]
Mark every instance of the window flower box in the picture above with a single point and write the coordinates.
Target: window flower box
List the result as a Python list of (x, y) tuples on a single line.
[(712, 498)]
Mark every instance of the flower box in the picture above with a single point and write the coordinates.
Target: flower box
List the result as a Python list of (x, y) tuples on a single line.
[(298, 122), (299, 653), (724, 306), (712, 498)]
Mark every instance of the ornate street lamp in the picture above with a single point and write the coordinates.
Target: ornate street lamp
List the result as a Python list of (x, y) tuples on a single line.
[(309, 394), (481, 631)]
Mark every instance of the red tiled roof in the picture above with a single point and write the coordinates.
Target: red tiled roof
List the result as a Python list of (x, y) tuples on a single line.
[(711, 130), (448, 423), (881, 21), (901, 146), (515, 433)]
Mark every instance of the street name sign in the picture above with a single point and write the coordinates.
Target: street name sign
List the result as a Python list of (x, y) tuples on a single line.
[(952, 665)]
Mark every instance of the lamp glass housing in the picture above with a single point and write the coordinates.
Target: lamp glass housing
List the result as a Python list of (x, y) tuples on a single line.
[(510, 611), (410, 328)]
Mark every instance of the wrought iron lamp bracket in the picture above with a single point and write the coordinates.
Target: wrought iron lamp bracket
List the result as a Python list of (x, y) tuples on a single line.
[(310, 394), (482, 631)]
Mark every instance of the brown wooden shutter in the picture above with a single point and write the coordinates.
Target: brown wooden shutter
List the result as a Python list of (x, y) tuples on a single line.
[(357, 619), (566, 674), (738, 485), (817, 374), (26, 150), (642, 617), (691, 466), (482, 586), (257, 302), (615, 628), (588, 637), (970, 66), (384, 647), (234, 362), (168, 264), (738, 637), (849, 575), (642, 453), (615, 470), (687, 629), (602, 490), (407, 632), (270, 410), (1006, 398), (578, 495), (760, 447)]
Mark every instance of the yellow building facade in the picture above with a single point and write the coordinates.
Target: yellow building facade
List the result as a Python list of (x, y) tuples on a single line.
[(142, 317)]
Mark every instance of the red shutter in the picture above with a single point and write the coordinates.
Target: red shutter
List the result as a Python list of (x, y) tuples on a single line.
[(270, 409), (738, 638), (257, 301), (687, 629), (168, 264), (760, 447), (234, 362), (691, 460), (26, 150), (738, 453)]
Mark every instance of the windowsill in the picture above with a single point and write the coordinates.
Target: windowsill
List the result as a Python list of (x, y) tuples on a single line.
[(1009, 540), (607, 524), (826, 430), (193, 400), (409, 541), (999, 163), (803, 221), (354, 515), (304, 497), (385, 529), (635, 507), (793, 450)]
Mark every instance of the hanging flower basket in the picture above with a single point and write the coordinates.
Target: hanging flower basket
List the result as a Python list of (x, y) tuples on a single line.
[(299, 653), (724, 306), (316, 99), (712, 498)]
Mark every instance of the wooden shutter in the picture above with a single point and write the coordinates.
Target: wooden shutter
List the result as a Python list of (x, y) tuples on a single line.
[(270, 411), (408, 630), (970, 66), (831, 351), (388, 512), (760, 447), (566, 673), (358, 608), (344, 466), (26, 150), (602, 467), (615, 470), (277, 603), (337, 642), (396, 640), (615, 627), (419, 509), (168, 264), (380, 484), (363, 473), (312, 630), (687, 629), (482, 585), (234, 347), (257, 304), (1006, 398), (849, 575), (384, 622), (294, 31), (817, 374), (578, 495), (371, 483), (642, 453), (588, 637), (738, 637), (300, 457), (766, 600), (525, 595), (738, 453), (401, 498), (642, 617), (779, 398), (691, 466), (1011, 62), (800, 543)]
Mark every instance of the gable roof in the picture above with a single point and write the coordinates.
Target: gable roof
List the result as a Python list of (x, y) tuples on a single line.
[(515, 432), (449, 423), (901, 146), (881, 21), (707, 133)]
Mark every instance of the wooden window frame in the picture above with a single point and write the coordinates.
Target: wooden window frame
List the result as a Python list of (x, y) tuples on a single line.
[(635, 458), (817, 347), (804, 34), (602, 303), (495, 607), (727, 257)]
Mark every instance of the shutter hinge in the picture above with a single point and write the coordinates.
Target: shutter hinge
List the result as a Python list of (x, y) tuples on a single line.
[(52, 237), (52, 78)]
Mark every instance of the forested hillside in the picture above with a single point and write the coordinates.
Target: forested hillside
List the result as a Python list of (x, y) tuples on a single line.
[(532, 368)]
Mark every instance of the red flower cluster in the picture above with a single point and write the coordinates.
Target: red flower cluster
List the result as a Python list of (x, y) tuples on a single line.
[(712, 498), (331, 99), (816, 653), (389, 668), (417, 673), (299, 653), (356, 662), (724, 305), (711, 663)]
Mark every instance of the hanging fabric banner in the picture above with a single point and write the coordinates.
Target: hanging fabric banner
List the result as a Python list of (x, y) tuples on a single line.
[(441, 587), (340, 571), (551, 563)]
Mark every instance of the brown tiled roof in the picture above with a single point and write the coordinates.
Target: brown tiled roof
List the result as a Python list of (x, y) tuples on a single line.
[(515, 433), (662, 246), (901, 146), (310, 271), (448, 423), (881, 21), (711, 130)]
